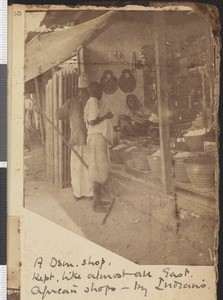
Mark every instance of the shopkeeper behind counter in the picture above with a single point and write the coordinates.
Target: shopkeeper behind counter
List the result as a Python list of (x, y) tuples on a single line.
[(137, 122)]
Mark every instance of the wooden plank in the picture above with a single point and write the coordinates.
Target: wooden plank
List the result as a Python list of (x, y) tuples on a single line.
[(68, 132), (47, 134), (80, 56), (68, 169), (69, 84), (72, 75), (75, 83), (60, 126), (75, 91), (56, 135), (72, 84), (39, 103), (51, 134), (209, 69), (162, 98), (67, 129), (65, 132)]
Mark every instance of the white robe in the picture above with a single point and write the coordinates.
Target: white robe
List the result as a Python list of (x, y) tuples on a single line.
[(99, 136), (82, 186)]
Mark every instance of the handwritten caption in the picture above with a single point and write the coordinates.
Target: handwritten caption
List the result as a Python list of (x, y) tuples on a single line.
[(97, 276)]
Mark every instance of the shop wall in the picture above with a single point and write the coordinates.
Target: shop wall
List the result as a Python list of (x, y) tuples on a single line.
[(113, 50)]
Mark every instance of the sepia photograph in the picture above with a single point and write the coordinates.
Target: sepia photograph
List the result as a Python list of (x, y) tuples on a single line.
[(121, 130)]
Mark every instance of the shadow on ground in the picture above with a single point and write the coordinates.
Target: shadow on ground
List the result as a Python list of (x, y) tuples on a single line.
[(129, 232)]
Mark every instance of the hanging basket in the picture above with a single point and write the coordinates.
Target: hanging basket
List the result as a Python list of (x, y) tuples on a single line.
[(127, 159), (116, 153), (154, 162), (139, 157), (201, 170), (127, 81), (109, 83)]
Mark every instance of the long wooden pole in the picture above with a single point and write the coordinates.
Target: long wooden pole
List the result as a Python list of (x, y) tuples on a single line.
[(108, 211), (38, 99), (162, 98)]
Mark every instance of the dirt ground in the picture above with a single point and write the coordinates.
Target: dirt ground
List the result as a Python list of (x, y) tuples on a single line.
[(132, 233)]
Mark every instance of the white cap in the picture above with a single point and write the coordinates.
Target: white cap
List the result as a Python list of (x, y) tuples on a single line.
[(83, 81)]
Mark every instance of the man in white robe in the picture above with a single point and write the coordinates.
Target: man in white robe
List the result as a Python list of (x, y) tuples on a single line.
[(74, 110), (100, 135)]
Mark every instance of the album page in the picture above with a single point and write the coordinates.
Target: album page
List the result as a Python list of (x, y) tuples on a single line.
[(113, 152)]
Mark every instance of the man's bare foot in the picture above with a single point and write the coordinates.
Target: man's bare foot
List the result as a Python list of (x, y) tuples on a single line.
[(77, 198), (83, 197), (88, 197), (99, 208), (105, 202)]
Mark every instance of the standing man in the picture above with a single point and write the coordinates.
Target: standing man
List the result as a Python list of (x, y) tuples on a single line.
[(100, 135), (74, 110)]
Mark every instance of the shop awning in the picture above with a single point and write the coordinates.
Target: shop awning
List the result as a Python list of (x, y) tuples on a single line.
[(48, 50)]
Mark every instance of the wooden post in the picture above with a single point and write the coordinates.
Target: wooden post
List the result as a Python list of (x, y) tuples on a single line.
[(204, 109), (60, 126), (50, 136), (162, 98), (64, 130), (56, 135), (80, 57), (47, 149), (209, 75), (39, 103), (209, 69), (203, 89)]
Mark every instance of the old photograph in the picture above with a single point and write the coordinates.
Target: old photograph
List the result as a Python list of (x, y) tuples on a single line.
[(120, 129)]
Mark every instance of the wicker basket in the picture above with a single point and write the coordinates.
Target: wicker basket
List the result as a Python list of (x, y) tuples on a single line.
[(201, 170), (154, 164), (127, 159), (179, 170), (116, 155), (181, 146), (195, 143), (210, 147), (139, 157)]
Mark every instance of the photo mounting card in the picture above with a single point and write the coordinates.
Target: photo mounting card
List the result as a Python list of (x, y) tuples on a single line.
[(113, 152)]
